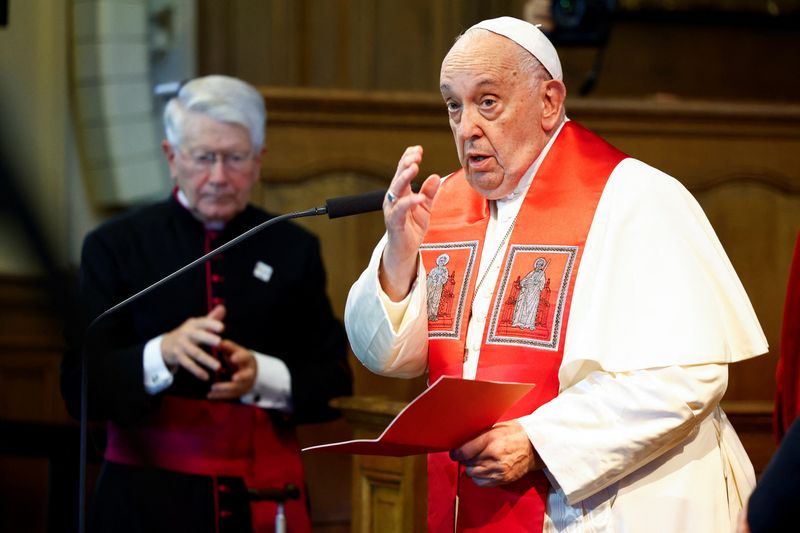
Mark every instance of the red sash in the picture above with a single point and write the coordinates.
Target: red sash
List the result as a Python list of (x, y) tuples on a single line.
[(218, 439), (528, 315)]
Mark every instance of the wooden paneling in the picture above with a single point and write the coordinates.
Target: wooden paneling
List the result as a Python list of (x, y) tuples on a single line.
[(341, 43), (654, 47), (389, 493), (39, 446), (30, 353)]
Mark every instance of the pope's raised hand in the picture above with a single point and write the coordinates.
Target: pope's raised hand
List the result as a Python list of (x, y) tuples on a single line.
[(406, 215)]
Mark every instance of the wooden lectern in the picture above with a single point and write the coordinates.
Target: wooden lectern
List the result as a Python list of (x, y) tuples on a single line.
[(389, 493)]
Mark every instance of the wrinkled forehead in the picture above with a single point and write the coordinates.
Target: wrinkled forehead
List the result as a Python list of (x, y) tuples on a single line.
[(481, 51)]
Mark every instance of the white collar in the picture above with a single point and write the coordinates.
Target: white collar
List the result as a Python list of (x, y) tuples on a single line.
[(213, 225)]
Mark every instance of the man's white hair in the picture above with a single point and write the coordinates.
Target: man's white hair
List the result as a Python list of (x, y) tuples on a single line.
[(220, 98)]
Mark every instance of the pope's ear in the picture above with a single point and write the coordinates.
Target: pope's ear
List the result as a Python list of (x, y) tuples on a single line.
[(554, 92)]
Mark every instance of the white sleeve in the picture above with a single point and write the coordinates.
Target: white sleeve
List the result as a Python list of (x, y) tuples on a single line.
[(388, 338), (157, 376), (610, 424), (273, 386)]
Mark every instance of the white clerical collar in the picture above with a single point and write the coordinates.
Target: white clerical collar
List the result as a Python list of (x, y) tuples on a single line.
[(212, 225), (524, 184)]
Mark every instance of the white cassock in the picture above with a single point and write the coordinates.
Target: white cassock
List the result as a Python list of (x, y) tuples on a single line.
[(635, 441)]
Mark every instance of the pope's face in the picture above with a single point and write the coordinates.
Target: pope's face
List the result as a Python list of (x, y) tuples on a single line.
[(215, 167), (495, 111)]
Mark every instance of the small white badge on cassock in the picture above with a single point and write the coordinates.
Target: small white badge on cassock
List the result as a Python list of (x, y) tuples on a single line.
[(262, 271)]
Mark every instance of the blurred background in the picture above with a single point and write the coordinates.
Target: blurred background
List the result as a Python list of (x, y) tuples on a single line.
[(706, 90)]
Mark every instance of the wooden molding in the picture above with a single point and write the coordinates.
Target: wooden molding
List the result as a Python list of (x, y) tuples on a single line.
[(312, 132), (425, 110)]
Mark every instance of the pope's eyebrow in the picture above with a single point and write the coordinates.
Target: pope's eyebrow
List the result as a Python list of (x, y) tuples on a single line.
[(481, 83)]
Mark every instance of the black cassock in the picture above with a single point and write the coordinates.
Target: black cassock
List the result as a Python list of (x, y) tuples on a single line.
[(273, 286)]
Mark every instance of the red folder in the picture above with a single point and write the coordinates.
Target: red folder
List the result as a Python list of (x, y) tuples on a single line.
[(446, 415)]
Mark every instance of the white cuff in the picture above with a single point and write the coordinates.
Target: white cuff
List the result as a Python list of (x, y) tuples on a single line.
[(395, 311), (273, 386), (157, 376)]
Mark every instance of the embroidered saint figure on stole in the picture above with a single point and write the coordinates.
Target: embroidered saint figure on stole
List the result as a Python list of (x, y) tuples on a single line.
[(437, 278), (526, 308)]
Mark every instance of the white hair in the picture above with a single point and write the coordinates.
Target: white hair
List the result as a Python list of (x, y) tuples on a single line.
[(220, 98), (532, 67)]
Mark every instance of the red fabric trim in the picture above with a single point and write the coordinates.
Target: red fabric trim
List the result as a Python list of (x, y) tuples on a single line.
[(556, 215), (217, 439), (209, 285), (209, 282), (787, 376), (215, 483)]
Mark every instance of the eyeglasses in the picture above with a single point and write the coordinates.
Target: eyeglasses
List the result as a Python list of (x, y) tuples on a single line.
[(204, 161)]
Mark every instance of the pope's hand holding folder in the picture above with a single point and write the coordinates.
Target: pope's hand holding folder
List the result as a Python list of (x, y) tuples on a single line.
[(446, 415)]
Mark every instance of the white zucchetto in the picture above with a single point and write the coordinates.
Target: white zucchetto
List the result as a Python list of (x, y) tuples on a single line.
[(527, 36)]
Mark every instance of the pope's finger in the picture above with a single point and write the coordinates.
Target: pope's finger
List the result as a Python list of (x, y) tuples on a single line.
[(412, 153), (401, 184), (430, 186)]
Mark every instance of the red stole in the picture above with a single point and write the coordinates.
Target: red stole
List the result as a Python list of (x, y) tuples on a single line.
[(218, 439), (528, 315)]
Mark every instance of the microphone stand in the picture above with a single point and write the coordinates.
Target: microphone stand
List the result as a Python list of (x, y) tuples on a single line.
[(279, 496), (84, 386)]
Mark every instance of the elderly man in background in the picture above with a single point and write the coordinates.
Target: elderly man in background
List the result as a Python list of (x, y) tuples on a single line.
[(203, 380), (638, 316)]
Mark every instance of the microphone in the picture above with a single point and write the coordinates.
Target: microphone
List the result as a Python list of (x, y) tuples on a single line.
[(340, 206), (355, 204), (343, 206)]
